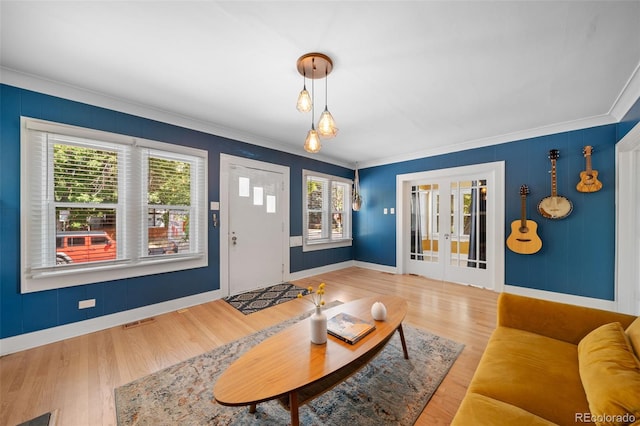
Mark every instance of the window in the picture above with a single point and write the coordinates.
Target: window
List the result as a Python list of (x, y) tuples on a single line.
[(103, 206), (327, 211)]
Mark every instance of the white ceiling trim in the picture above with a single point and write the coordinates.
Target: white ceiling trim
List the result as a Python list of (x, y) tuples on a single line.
[(500, 139), (629, 95), (66, 91)]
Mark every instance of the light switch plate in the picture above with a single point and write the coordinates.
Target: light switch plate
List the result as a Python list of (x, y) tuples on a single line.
[(84, 304), (295, 241)]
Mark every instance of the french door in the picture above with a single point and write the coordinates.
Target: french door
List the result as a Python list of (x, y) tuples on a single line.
[(254, 228), (450, 227)]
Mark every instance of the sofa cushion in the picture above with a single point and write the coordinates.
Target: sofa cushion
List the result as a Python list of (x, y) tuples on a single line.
[(478, 409), (610, 375), (633, 333), (536, 373)]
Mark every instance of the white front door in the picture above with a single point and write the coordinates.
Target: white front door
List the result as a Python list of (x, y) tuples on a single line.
[(449, 226), (254, 216)]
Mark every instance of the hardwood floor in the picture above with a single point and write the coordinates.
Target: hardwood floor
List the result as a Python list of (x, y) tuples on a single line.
[(77, 376)]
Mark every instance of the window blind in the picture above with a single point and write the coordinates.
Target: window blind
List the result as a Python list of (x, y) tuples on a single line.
[(91, 202), (327, 211)]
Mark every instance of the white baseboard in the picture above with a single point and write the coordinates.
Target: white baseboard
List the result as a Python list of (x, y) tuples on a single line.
[(25, 341), (376, 267), (42, 337), (320, 270), (589, 302)]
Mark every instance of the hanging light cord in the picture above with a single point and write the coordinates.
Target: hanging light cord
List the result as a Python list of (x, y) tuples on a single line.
[(326, 83), (313, 92)]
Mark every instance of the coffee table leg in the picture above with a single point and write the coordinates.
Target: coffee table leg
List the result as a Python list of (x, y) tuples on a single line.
[(293, 407), (404, 344), (252, 408)]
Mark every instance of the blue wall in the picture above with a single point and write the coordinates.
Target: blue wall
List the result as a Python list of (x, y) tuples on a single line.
[(577, 255), (36, 311), (578, 252)]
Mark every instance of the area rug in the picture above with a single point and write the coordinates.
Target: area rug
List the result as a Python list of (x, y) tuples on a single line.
[(256, 300), (388, 391)]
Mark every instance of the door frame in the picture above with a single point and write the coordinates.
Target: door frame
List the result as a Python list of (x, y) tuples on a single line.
[(627, 275), (403, 221), (226, 161)]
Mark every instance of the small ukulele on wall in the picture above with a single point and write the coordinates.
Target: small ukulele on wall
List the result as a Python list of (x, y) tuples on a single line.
[(555, 206), (524, 238), (588, 178)]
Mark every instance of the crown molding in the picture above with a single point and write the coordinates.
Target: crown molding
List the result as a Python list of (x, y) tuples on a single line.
[(628, 96), (623, 103), (582, 123), (66, 91)]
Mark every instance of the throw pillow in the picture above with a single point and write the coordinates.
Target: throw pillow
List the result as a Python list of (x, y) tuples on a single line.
[(610, 374), (633, 332)]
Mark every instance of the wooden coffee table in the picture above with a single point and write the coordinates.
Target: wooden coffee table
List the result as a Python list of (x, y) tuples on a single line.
[(287, 366)]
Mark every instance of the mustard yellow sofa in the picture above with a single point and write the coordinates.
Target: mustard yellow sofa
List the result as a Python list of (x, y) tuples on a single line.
[(550, 363)]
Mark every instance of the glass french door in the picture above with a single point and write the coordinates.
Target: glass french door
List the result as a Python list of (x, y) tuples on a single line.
[(448, 230)]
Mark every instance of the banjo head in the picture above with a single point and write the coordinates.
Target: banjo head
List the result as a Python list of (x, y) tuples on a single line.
[(557, 207)]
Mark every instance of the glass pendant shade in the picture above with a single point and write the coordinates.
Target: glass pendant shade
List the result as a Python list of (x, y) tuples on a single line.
[(327, 126), (304, 101), (312, 143), (356, 202)]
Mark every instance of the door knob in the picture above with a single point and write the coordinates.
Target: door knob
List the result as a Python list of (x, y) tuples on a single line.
[(234, 240)]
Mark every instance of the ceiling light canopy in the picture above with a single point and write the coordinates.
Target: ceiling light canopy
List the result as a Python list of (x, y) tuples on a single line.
[(315, 66)]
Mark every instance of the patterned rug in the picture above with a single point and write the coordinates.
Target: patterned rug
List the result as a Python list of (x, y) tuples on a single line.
[(256, 300), (388, 391)]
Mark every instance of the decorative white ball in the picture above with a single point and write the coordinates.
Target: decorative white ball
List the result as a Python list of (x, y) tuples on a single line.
[(379, 311)]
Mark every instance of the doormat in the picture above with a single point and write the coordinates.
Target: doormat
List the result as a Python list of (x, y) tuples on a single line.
[(257, 300), (389, 391), (47, 419)]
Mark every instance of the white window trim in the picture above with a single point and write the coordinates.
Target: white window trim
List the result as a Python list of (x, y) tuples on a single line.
[(135, 266), (324, 244)]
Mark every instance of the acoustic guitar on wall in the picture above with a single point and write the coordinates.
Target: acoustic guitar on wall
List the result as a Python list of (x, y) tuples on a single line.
[(524, 238), (555, 206), (588, 178)]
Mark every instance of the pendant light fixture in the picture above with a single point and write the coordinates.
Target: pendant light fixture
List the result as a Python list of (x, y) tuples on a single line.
[(356, 201), (314, 66)]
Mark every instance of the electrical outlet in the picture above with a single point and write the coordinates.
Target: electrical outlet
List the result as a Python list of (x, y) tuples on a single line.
[(89, 303)]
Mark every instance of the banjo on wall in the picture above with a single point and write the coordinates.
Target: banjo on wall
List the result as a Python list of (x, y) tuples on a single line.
[(555, 206)]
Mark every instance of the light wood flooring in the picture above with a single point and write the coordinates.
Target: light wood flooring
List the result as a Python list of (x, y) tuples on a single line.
[(77, 376)]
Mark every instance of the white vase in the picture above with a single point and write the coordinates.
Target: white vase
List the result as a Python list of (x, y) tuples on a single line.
[(318, 327), (379, 311)]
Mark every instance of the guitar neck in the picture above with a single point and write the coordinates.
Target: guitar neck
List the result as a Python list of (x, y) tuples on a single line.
[(554, 186), (588, 166), (523, 211)]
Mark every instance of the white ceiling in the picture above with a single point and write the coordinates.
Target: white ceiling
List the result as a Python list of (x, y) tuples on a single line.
[(410, 78)]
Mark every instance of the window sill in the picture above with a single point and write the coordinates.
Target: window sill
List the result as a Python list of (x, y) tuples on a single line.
[(324, 245), (52, 279)]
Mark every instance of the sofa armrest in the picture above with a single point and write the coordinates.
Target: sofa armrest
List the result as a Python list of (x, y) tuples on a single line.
[(561, 321)]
